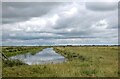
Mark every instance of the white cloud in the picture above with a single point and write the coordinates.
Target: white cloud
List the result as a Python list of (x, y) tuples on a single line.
[(100, 25)]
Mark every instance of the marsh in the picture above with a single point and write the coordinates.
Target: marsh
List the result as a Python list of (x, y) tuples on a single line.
[(45, 56)]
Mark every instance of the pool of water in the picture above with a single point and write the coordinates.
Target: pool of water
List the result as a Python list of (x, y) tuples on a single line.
[(46, 56)]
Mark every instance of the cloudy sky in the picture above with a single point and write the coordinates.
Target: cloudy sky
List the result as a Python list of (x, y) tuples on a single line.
[(59, 23)]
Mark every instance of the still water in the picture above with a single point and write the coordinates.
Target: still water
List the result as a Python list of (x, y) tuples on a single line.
[(46, 56)]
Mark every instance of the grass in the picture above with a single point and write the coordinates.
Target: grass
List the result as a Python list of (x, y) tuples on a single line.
[(11, 63), (0, 62), (102, 60), (83, 61), (14, 50)]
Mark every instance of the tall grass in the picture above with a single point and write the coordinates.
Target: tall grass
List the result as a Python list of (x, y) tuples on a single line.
[(11, 63), (98, 62), (12, 51)]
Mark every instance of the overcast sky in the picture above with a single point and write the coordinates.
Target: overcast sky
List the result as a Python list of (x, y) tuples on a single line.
[(59, 23)]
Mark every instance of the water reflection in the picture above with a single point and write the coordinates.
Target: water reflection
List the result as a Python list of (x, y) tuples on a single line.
[(48, 55)]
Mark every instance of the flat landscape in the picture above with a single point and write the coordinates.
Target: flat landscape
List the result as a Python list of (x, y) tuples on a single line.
[(59, 38), (81, 61)]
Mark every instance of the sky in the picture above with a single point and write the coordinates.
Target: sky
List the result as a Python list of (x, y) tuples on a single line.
[(59, 23)]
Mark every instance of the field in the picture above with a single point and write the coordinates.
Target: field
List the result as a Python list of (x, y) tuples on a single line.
[(82, 61), (0, 63)]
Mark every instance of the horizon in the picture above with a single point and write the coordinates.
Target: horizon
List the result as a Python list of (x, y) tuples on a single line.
[(66, 45)]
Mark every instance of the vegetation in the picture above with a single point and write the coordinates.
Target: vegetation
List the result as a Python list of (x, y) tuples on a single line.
[(0, 68), (11, 51), (96, 60), (82, 61), (11, 63), (14, 50)]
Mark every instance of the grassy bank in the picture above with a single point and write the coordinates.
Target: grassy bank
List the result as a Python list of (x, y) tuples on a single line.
[(0, 67), (15, 50), (96, 61), (86, 61)]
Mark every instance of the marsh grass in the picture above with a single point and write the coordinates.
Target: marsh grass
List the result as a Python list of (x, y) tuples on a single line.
[(0, 62), (11, 63), (12, 51), (99, 61)]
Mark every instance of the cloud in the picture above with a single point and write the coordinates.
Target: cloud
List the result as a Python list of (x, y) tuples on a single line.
[(62, 23), (21, 11), (102, 1), (102, 6)]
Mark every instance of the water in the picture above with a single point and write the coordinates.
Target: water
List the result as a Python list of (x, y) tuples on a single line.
[(46, 56)]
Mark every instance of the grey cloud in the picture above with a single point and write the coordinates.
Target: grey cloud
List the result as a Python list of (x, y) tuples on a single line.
[(33, 36), (21, 11), (83, 27), (101, 6), (13, 20)]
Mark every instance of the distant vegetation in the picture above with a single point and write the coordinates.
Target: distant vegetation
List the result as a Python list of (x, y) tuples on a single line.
[(14, 50), (82, 61)]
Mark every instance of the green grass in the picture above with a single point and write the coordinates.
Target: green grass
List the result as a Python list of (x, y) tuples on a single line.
[(86, 61), (100, 60), (11, 63), (14, 50), (0, 62)]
